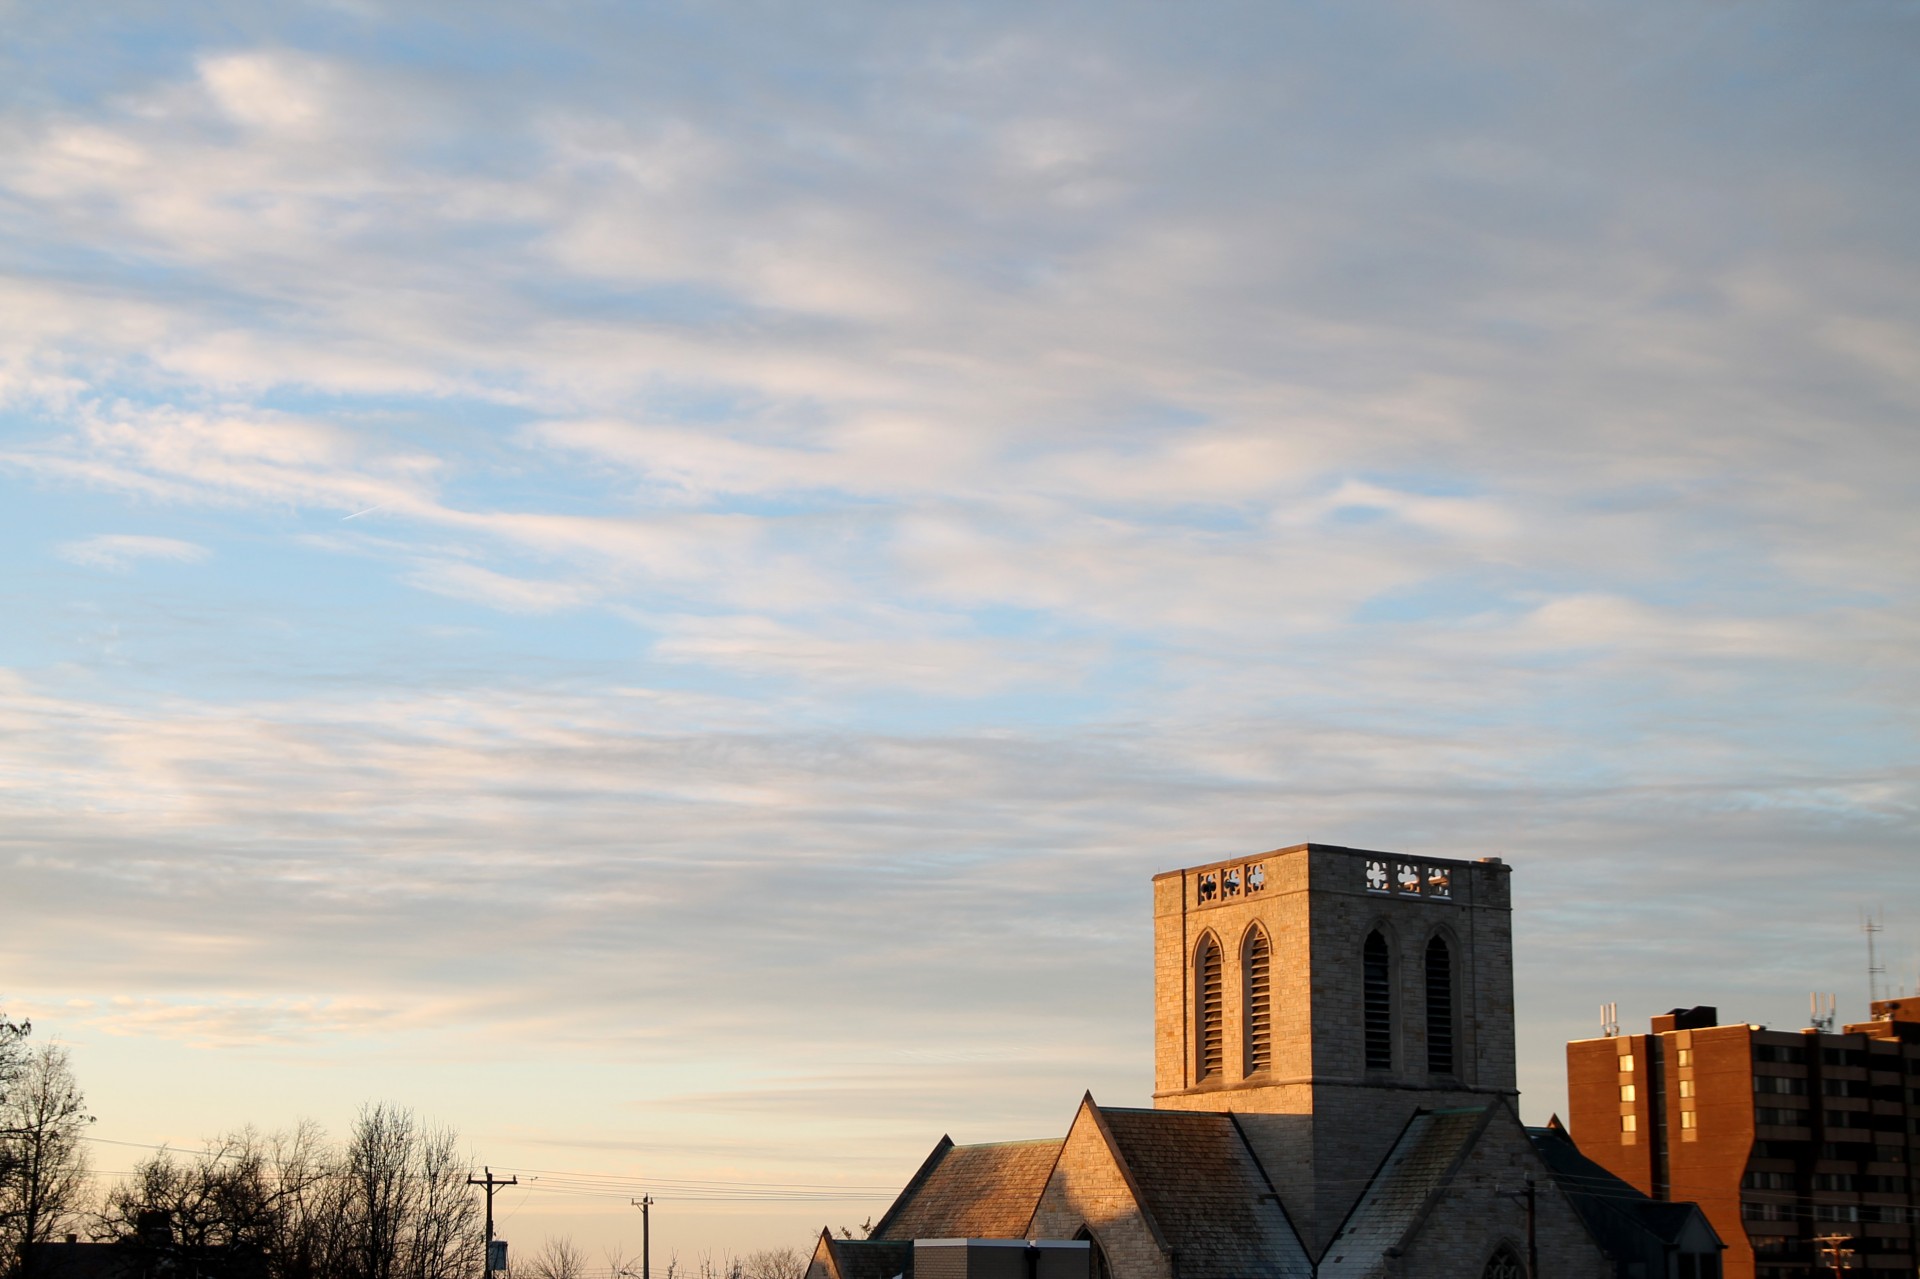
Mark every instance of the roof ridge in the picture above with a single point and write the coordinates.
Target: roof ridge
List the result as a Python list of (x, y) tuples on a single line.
[(914, 1184), (1156, 1110)]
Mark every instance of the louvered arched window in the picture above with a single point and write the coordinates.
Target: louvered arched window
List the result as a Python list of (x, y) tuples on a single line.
[(1376, 978), (1439, 1007), (1256, 969), (1209, 1010)]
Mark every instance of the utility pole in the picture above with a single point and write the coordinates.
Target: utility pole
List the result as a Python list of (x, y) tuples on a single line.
[(1533, 1245), (643, 1203), (1831, 1246), (492, 1183), (1530, 1197)]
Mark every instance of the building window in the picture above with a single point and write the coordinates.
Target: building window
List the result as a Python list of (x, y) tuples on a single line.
[(1629, 1123), (1684, 1055), (1097, 1256), (1376, 977), (1209, 1009), (1256, 963), (1629, 1093), (1626, 1064), (1439, 1008), (1686, 1087), (1503, 1264), (1687, 1119)]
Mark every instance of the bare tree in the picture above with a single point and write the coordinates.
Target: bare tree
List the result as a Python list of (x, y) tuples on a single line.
[(559, 1259), (444, 1239), (392, 1203), (41, 1122), (305, 1237), (221, 1198), (725, 1268), (405, 1209), (773, 1263)]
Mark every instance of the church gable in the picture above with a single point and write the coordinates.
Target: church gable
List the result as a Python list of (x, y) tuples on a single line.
[(1451, 1198), (1164, 1189), (1091, 1196), (1483, 1209), (1411, 1178), (858, 1258)]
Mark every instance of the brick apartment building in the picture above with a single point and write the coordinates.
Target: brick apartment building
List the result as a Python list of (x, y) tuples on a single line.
[(1333, 1099), (1782, 1137)]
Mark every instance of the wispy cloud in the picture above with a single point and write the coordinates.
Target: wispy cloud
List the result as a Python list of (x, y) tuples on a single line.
[(124, 550), (714, 533)]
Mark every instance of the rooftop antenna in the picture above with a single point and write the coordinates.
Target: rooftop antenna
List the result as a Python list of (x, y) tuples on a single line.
[(1610, 1020), (1871, 925), (1821, 1014)]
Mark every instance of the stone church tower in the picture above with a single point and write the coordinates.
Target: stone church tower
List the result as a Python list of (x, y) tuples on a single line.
[(1326, 994)]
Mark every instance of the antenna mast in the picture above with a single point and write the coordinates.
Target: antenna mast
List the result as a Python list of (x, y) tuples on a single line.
[(1871, 925)]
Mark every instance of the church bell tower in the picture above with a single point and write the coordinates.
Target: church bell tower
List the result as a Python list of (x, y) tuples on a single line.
[(1324, 994)]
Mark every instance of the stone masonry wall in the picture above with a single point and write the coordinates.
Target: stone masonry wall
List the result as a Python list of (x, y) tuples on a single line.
[(1359, 1113), (1485, 1207), (1317, 908), (1088, 1189)]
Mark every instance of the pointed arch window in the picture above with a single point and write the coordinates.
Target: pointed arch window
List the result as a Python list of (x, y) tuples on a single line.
[(1439, 1007), (1376, 976), (1256, 968), (1097, 1258), (1209, 1010), (1503, 1264)]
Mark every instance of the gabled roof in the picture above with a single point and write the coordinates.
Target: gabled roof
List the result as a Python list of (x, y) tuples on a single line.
[(971, 1192), (1203, 1193), (863, 1258), (1622, 1220), (1417, 1169)]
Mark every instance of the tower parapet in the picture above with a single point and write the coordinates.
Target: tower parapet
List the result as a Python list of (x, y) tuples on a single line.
[(1326, 993)]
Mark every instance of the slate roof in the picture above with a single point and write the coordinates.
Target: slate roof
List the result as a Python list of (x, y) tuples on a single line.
[(1626, 1224), (870, 1258), (1418, 1167), (1205, 1194), (972, 1192)]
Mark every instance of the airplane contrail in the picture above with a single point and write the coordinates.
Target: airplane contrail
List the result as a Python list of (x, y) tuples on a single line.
[(369, 511)]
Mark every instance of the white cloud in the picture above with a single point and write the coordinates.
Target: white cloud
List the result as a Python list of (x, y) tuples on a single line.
[(124, 550), (270, 90), (497, 590), (929, 474)]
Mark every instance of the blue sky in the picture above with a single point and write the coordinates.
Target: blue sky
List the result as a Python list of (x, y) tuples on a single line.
[(653, 581)]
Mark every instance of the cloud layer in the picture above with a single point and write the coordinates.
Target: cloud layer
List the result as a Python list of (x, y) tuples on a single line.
[(690, 562)]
